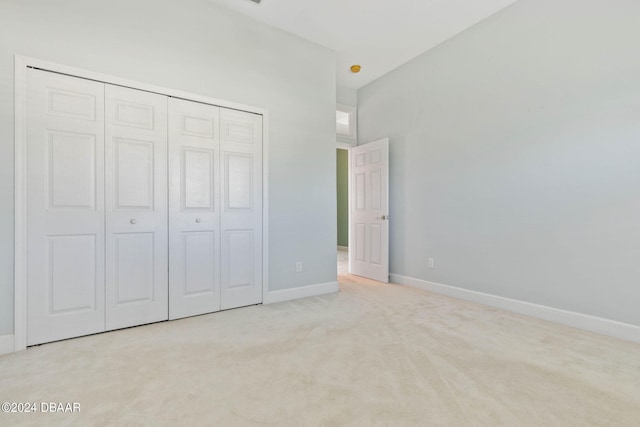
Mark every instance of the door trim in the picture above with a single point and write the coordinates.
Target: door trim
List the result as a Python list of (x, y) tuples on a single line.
[(22, 63)]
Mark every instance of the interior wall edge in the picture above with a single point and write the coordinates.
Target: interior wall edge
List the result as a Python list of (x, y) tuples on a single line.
[(7, 344), (301, 292)]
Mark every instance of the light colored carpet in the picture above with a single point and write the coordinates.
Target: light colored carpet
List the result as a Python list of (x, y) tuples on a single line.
[(372, 354)]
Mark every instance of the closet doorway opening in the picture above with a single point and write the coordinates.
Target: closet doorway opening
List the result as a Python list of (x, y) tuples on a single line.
[(111, 180)]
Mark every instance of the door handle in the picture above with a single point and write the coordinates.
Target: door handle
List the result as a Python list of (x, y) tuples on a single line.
[(383, 217), (198, 220), (132, 221)]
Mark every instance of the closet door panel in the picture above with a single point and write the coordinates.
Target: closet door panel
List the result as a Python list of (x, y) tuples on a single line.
[(136, 203), (241, 222), (194, 216), (65, 214), (134, 263)]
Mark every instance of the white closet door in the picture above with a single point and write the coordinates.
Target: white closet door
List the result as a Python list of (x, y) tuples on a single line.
[(241, 245), (194, 208), (65, 215), (136, 199)]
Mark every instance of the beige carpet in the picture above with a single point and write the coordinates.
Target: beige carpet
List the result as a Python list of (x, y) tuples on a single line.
[(372, 354)]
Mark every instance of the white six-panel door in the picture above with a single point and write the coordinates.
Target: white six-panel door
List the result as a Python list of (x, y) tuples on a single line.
[(241, 199), (65, 214), (136, 207), (194, 208), (368, 208)]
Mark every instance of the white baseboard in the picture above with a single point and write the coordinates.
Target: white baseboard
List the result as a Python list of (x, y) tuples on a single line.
[(343, 248), (599, 325), (301, 292), (6, 344)]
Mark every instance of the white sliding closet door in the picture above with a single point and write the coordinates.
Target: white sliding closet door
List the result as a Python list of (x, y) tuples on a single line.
[(65, 214), (194, 208), (136, 207), (241, 222)]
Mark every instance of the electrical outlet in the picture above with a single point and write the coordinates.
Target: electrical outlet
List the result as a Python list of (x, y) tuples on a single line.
[(298, 267), (431, 263)]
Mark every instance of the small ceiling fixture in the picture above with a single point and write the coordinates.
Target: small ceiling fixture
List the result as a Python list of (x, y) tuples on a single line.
[(256, 1), (355, 69)]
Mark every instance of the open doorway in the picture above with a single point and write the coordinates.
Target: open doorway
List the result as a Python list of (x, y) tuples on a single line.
[(346, 138), (342, 191)]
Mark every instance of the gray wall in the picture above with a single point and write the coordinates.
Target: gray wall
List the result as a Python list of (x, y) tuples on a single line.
[(194, 46), (346, 96), (515, 152)]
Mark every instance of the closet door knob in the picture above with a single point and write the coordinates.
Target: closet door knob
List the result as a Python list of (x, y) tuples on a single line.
[(198, 220), (133, 221)]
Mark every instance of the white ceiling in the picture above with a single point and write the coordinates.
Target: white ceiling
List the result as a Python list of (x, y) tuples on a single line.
[(380, 35)]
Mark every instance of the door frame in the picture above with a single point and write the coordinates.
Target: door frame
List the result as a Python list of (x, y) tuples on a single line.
[(22, 63)]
